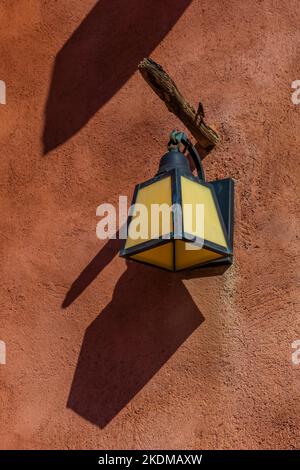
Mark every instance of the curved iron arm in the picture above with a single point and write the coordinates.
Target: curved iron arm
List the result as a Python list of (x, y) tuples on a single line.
[(177, 138)]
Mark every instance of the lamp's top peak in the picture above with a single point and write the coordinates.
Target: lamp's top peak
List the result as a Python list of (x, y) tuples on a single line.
[(177, 146)]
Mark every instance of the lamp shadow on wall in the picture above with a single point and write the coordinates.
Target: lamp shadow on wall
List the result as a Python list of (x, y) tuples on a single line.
[(149, 317), (99, 57)]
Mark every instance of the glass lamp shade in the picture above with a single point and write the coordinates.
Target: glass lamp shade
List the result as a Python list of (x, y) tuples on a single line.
[(176, 221)]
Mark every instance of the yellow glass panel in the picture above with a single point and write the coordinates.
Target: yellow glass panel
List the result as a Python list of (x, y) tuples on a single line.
[(154, 219), (185, 257), (194, 193), (160, 256)]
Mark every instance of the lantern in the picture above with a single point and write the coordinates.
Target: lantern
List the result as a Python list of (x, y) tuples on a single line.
[(178, 221)]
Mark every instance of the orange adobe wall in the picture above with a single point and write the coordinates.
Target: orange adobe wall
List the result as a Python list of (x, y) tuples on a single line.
[(101, 354)]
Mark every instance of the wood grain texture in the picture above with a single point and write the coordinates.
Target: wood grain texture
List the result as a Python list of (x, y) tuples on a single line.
[(163, 85)]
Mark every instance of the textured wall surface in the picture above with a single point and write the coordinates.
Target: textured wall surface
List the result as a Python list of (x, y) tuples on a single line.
[(101, 354)]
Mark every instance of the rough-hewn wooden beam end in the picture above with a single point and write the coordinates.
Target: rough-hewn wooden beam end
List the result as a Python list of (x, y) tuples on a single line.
[(163, 85)]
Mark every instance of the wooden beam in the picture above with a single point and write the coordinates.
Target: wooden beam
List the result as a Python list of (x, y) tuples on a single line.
[(163, 85)]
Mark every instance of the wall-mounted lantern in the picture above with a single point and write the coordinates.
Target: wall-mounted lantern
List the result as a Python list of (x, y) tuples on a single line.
[(174, 239)]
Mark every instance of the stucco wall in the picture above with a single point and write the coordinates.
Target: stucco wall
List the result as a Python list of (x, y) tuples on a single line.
[(105, 355)]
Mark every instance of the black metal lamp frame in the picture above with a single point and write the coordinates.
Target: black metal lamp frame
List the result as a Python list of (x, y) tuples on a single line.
[(172, 165)]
